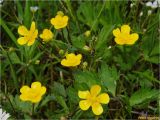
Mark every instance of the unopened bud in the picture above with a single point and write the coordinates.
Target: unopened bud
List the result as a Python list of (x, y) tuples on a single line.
[(87, 33), (60, 13), (37, 62), (11, 49), (61, 52), (86, 48), (85, 64)]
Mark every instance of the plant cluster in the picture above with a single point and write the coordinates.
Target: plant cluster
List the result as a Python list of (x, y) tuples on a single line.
[(80, 59)]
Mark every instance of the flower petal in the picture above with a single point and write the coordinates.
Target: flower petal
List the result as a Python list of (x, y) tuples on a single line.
[(43, 90), (116, 32), (97, 108), (79, 56), (71, 55), (119, 41), (103, 98), (32, 38), (22, 40), (64, 62), (25, 89), (133, 38), (24, 97), (33, 27), (125, 29), (84, 104), (22, 30), (53, 22), (83, 94), (65, 19), (36, 99), (95, 90), (36, 85)]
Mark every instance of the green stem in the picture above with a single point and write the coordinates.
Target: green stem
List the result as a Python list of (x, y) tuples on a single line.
[(9, 32), (32, 109), (124, 54), (98, 16), (11, 104), (68, 3), (13, 73)]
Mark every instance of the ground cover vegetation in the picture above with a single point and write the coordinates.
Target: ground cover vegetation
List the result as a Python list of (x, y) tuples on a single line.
[(79, 59)]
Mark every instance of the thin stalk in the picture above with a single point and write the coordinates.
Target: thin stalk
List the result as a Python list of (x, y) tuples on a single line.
[(11, 104), (32, 109), (9, 32), (12, 70), (98, 16), (68, 3), (66, 39), (124, 54)]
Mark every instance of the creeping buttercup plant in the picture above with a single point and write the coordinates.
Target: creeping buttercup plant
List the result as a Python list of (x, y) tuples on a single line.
[(79, 59)]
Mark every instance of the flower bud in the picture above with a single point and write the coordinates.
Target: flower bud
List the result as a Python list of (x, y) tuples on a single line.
[(86, 48), (87, 33), (61, 52), (85, 64), (37, 62), (60, 13), (11, 49)]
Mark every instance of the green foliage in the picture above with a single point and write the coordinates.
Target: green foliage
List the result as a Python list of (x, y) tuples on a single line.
[(109, 77), (143, 95), (128, 73)]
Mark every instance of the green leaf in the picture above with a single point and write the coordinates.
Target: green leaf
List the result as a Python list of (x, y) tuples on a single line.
[(27, 14), (143, 95), (9, 32), (59, 89), (86, 77), (23, 106), (108, 77), (103, 37), (150, 46), (47, 99), (20, 10), (14, 58), (62, 102), (86, 13), (72, 95), (78, 42)]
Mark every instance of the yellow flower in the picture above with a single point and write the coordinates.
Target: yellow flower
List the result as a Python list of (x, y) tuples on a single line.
[(46, 35), (93, 99), (33, 94), (87, 33), (124, 37), (60, 20), (71, 60), (29, 36)]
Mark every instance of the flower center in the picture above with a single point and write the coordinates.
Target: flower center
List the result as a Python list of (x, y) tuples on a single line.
[(93, 99)]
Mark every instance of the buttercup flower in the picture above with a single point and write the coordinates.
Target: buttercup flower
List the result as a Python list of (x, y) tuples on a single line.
[(33, 94), (94, 99), (87, 33), (60, 20), (124, 37), (29, 36), (71, 60), (46, 35)]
